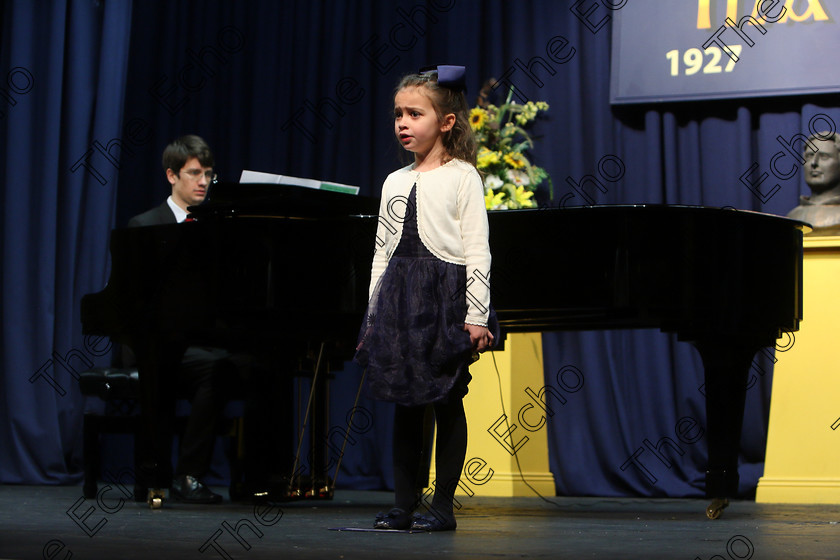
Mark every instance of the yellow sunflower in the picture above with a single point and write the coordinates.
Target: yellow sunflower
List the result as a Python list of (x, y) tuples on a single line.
[(487, 157), (515, 160), (478, 117)]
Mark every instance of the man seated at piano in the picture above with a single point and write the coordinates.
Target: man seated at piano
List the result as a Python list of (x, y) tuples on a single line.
[(188, 164), (205, 374)]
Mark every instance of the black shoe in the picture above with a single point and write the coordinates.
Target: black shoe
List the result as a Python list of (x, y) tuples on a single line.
[(395, 519), (189, 489), (432, 523)]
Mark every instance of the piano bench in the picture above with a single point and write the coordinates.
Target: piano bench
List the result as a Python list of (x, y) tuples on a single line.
[(110, 383), (120, 389)]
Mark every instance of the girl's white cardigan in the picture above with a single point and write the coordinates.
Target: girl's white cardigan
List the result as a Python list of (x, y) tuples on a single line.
[(451, 220)]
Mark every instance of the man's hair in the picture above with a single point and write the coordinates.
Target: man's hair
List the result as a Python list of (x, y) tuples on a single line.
[(825, 135), (180, 150)]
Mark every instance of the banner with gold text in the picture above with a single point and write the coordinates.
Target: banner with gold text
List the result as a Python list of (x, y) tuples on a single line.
[(717, 49)]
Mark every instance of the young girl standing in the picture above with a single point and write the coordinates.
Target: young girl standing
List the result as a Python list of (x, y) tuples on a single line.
[(429, 306)]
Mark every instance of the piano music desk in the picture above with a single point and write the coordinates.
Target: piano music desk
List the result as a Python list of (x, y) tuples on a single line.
[(802, 464), (497, 437)]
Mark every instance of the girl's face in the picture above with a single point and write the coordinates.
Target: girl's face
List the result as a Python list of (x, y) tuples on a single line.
[(416, 122)]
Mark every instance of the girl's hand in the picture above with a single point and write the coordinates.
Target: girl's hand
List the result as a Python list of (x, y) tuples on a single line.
[(480, 337), (364, 338)]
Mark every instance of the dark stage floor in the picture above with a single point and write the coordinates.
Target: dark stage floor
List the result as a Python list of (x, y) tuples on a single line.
[(35, 523)]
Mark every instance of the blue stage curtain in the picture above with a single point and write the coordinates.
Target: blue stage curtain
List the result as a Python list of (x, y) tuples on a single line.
[(63, 72), (305, 89)]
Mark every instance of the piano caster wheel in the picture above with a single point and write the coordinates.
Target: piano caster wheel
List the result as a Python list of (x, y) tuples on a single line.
[(716, 508), (155, 498)]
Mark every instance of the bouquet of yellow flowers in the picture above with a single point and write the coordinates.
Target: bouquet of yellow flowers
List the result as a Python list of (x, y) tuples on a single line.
[(509, 178)]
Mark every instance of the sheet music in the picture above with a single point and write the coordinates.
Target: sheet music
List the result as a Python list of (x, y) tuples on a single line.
[(260, 177)]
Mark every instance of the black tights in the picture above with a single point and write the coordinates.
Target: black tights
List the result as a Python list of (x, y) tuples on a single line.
[(450, 450)]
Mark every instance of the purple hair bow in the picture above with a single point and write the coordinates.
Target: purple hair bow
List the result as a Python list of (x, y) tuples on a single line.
[(452, 77)]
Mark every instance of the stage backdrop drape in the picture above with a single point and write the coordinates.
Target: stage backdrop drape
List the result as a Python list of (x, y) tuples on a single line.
[(305, 89), (63, 69)]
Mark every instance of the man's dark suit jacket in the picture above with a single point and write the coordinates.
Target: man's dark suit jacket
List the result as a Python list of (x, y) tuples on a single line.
[(155, 217)]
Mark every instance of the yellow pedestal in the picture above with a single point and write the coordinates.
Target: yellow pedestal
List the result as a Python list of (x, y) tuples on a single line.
[(802, 463), (507, 444)]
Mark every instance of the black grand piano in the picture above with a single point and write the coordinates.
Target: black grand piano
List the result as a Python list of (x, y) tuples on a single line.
[(283, 265)]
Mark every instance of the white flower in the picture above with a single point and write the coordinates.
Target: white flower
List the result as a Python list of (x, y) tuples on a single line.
[(493, 182), (518, 178)]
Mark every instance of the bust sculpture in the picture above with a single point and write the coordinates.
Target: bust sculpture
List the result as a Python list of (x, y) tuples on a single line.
[(822, 175)]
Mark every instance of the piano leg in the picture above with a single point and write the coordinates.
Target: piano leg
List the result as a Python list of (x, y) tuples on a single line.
[(727, 362), (319, 432), (316, 419)]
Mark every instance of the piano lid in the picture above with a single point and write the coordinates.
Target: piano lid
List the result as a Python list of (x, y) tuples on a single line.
[(658, 207)]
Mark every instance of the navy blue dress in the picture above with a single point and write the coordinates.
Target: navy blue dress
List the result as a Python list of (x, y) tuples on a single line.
[(413, 341)]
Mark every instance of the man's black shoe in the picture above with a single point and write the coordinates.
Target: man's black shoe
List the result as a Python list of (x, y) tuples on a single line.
[(189, 489)]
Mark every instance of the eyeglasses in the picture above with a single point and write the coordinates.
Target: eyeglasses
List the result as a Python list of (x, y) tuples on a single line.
[(196, 173)]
